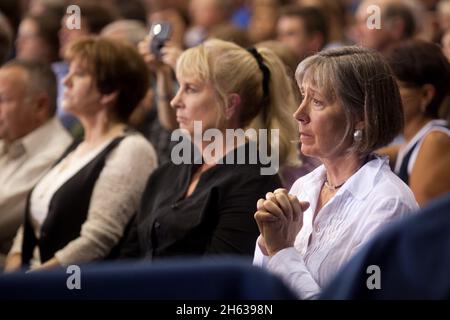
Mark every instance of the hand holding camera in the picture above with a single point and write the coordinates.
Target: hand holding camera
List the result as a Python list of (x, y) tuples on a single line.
[(160, 33), (157, 50)]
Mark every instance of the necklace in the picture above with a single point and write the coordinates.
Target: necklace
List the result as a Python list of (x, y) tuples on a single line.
[(331, 187)]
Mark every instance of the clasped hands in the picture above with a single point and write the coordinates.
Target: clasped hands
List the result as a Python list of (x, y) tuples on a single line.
[(279, 218)]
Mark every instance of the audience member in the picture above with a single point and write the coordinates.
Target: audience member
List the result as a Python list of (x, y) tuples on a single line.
[(31, 139), (95, 16), (37, 38), (79, 210), (351, 106), (398, 20), (206, 207), (303, 29), (423, 76)]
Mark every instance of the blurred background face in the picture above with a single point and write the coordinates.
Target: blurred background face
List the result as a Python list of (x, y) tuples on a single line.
[(370, 38), (263, 23), (66, 35), (412, 100), (291, 32), (446, 44), (205, 13), (16, 112), (29, 45)]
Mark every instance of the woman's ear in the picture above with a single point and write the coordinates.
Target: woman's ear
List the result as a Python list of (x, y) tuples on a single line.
[(360, 125), (428, 91), (109, 98), (234, 103)]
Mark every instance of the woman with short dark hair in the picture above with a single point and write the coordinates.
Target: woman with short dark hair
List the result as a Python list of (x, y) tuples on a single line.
[(78, 212), (423, 76)]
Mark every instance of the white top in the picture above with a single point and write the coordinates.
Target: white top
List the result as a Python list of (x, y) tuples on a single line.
[(22, 164), (43, 192), (115, 198), (433, 125), (369, 199)]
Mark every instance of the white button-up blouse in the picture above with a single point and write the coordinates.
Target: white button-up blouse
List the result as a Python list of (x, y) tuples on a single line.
[(368, 200)]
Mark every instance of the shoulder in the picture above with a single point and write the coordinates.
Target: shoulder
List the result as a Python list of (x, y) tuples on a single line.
[(436, 142), (44, 147), (136, 145), (55, 139), (135, 149), (390, 192)]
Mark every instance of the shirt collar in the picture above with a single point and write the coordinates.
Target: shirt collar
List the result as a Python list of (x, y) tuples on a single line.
[(358, 185), (13, 150), (31, 142), (361, 183)]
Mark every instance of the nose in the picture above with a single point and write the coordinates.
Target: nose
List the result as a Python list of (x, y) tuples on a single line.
[(67, 80), (301, 114), (176, 101)]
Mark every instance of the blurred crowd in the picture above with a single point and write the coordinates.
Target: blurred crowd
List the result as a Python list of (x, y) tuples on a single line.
[(91, 92)]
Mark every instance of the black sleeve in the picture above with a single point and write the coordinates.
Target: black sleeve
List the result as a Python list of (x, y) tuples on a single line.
[(236, 229), (129, 247)]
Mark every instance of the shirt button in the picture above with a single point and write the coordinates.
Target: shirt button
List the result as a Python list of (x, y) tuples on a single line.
[(317, 229)]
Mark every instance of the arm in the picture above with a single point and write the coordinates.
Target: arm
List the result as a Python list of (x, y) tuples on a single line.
[(236, 230), (291, 267), (164, 94), (164, 81), (14, 259), (430, 176), (13, 196), (289, 262), (124, 176), (165, 84), (13, 262), (280, 218)]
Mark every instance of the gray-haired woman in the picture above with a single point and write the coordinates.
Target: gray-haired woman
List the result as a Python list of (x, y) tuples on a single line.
[(350, 107)]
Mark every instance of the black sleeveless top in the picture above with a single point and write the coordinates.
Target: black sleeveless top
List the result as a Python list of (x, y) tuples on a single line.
[(403, 171), (68, 208)]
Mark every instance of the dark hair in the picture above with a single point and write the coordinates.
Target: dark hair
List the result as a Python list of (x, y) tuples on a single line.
[(40, 79), (363, 83), (132, 10), (115, 65), (48, 27), (314, 19), (400, 10), (6, 39), (97, 14), (416, 63)]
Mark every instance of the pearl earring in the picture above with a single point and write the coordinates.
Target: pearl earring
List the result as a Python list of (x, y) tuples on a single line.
[(357, 135)]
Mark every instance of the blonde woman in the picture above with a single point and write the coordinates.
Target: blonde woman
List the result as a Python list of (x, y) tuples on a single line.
[(206, 207)]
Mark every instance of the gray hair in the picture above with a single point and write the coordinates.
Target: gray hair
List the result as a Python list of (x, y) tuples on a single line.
[(40, 79), (362, 82)]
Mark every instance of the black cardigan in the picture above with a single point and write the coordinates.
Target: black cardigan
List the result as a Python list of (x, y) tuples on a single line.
[(68, 209)]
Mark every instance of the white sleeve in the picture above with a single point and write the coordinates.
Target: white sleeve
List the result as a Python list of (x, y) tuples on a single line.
[(383, 213), (115, 198), (290, 266), (259, 258)]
